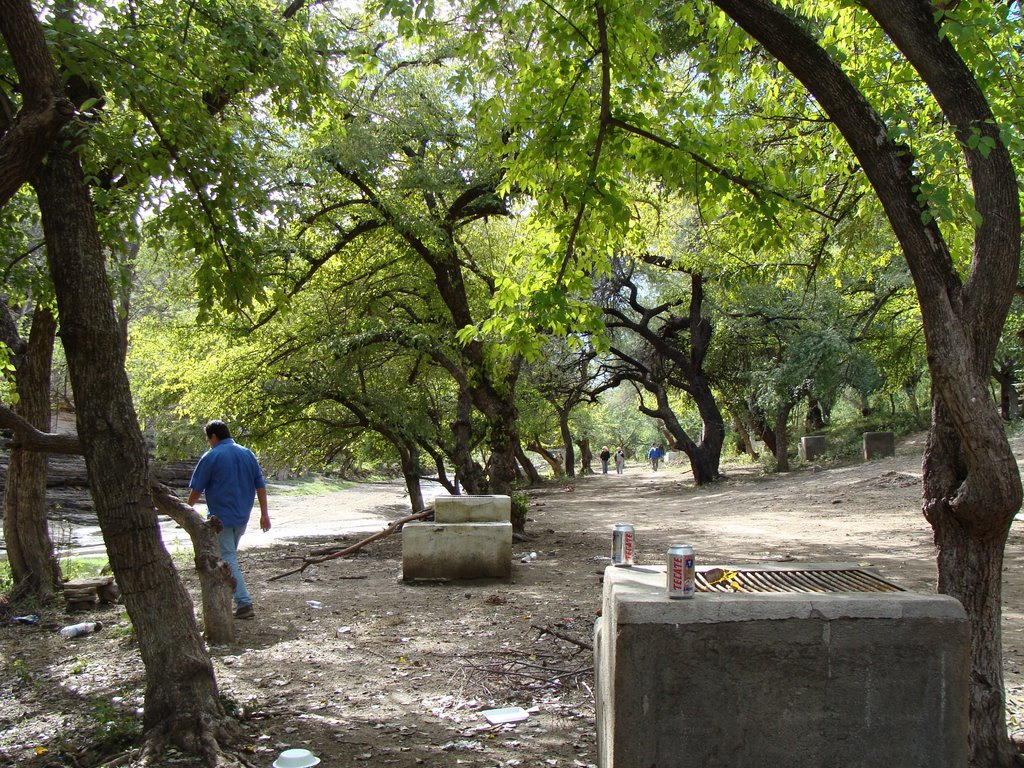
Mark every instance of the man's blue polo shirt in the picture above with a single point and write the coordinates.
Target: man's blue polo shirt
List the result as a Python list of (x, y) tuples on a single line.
[(228, 475)]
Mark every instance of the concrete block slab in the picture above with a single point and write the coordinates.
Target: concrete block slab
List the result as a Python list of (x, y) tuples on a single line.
[(811, 447), (473, 509), (878, 445), (802, 680), (456, 551)]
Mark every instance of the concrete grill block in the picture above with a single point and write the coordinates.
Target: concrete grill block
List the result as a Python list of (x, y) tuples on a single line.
[(811, 447), (878, 445), (802, 680), (456, 551), (473, 509)]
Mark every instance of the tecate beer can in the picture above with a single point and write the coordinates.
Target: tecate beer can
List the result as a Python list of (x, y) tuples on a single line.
[(680, 578), (622, 545)]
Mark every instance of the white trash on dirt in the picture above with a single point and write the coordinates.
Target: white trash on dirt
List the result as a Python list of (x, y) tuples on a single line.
[(296, 758), (505, 715)]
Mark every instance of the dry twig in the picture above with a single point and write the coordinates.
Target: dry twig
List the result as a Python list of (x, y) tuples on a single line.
[(562, 636), (395, 526)]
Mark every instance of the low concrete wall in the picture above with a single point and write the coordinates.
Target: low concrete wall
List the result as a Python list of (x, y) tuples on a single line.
[(456, 551), (857, 680), (811, 447), (470, 538), (877, 445)]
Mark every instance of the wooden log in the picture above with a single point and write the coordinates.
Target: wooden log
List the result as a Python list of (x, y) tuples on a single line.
[(97, 588)]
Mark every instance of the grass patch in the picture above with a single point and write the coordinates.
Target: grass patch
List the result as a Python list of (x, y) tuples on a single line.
[(308, 486), (6, 580), (82, 567)]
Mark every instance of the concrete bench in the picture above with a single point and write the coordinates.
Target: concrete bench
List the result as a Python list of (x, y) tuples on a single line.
[(470, 538)]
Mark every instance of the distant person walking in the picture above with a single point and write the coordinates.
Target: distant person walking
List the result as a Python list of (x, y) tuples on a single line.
[(231, 479), (620, 461), (654, 455), (605, 455)]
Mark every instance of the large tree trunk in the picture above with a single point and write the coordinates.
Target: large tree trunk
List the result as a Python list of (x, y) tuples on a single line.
[(586, 456), (1009, 402), (970, 533), (503, 440), (712, 436), (181, 702), (744, 436), (532, 475), (556, 466), (410, 458), (34, 567), (567, 442), (782, 438), (469, 477), (705, 458)]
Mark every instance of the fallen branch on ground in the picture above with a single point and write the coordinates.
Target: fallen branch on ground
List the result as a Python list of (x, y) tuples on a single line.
[(561, 636), (395, 526)]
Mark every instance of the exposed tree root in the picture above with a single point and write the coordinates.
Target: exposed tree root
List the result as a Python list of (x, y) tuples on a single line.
[(212, 740)]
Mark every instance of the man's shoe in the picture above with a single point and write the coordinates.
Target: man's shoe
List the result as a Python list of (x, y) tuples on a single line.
[(245, 612)]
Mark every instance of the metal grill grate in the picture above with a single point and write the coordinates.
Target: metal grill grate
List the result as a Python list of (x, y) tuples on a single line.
[(795, 580)]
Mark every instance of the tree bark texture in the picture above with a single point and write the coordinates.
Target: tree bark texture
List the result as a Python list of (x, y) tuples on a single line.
[(468, 474), (972, 487), (570, 449), (410, 459), (215, 580), (44, 110), (557, 470), (782, 437), (181, 701), (532, 475), (503, 428), (34, 566), (970, 569), (586, 456), (704, 458), (1009, 402)]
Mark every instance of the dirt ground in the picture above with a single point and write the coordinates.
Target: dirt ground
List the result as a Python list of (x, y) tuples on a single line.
[(360, 668)]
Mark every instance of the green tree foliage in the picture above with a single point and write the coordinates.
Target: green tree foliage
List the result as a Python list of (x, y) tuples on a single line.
[(916, 100)]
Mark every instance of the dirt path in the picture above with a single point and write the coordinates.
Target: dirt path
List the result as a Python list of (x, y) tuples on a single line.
[(388, 674), (361, 508)]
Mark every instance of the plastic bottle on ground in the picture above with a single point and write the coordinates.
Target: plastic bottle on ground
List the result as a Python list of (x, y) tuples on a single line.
[(77, 630)]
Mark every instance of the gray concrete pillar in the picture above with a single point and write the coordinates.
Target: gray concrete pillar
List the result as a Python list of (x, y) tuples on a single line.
[(852, 680), (879, 444), (811, 447)]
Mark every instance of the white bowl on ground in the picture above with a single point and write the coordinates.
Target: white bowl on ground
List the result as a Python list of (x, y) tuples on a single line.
[(296, 758)]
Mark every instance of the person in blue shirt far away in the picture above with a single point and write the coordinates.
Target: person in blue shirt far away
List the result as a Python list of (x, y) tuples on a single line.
[(231, 479), (654, 455)]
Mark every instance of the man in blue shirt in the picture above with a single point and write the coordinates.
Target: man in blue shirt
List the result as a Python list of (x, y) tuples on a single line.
[(230, 477), (654, 455)]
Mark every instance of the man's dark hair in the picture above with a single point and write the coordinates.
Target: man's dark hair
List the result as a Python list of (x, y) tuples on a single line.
[(218, 428)]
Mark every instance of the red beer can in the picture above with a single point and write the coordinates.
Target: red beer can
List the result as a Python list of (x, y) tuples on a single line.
[(680, 576), (622, 545)]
